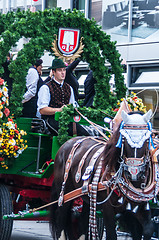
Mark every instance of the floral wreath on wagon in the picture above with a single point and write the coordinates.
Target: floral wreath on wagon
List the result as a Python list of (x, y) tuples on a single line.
[(11, 137), (134, 102)]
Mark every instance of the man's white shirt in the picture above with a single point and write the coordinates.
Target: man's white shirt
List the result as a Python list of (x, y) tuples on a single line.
[(31, 84)]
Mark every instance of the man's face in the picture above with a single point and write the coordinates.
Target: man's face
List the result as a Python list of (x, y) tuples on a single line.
[(60, 74), (39, 69)]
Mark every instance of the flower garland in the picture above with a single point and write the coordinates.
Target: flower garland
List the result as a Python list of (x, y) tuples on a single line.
[(134, 102), (4, 100), (11, 138)]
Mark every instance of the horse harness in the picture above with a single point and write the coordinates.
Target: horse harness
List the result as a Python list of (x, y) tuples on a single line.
[(89, 169), (86, 178), (117, 181)]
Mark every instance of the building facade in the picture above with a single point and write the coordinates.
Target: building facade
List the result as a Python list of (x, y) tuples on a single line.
[(133, 24)]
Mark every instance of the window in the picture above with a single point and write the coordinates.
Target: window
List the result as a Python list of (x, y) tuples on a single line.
[(144, 76), (51, 3), (79, 5)]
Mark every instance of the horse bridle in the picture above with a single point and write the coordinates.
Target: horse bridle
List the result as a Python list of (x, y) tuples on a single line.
[(134, 165), (148, 191)]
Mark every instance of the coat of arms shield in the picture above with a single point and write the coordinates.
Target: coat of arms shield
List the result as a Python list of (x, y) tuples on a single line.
[(68, 40)]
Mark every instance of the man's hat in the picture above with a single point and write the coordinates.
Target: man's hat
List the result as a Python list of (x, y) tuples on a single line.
[(57, 63)]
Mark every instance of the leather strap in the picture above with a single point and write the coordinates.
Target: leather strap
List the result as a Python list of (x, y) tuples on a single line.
[(91, 166), (78, 192), (81, 163), (74, 129)]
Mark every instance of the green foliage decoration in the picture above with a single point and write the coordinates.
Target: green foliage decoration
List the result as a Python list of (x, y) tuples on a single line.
[(40, 28)]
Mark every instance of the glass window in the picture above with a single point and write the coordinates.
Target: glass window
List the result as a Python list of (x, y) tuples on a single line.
[(96, 10), (51, 3), (144, 76), (79, 4)]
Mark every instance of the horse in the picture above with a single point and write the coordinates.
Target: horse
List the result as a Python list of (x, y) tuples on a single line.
[(118, 177)]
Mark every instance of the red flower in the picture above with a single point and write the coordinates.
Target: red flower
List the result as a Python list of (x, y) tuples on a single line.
[(1, 159), (16, 148), (10, 119), (1, 81), (6, 112), (11, 137), (16, 126), (134, 98), (16, 131), (116, 109)]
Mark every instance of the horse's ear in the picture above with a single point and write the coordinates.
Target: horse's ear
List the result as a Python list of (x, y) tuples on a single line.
[(147, 116), (124, 116)]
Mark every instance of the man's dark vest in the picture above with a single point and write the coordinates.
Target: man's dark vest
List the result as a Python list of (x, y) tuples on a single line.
[(60, 95)]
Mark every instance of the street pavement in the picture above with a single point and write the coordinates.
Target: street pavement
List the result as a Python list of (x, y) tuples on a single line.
[(31, 230), (39, 230), (36, 230)]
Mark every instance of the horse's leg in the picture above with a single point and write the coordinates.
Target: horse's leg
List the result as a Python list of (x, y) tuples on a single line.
[(79, 227), (131, 224), (147, 224), (109, 221), (59, 217), (62, 237), (83, 221)]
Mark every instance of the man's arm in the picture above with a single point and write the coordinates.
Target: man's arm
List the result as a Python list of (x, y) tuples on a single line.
[(73, 65), (49, 110)]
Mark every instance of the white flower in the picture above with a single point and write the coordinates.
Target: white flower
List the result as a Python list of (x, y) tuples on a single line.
[(10, 125), (4, 99), (12, 142)]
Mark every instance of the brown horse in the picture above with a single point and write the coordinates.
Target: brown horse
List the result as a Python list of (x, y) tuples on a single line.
[(124, 170)]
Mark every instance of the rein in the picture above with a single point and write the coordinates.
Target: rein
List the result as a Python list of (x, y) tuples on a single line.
[(94, 125)]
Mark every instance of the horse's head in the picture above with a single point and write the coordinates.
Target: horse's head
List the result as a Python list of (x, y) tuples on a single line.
[(134, 141)]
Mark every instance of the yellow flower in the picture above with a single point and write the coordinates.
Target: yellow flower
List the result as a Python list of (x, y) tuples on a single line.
[(1, 114)]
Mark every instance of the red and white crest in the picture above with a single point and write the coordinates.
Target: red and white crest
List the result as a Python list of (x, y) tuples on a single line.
[(68, 40), (77, 118)]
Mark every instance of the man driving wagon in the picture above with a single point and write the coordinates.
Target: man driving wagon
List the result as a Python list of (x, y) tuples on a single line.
[(54, 96)]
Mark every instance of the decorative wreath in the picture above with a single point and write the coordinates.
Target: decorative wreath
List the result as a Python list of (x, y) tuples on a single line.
[(41, 27)]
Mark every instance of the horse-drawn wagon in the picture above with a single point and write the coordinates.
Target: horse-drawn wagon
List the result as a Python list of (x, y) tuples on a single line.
[(128, 164), (26, 183)]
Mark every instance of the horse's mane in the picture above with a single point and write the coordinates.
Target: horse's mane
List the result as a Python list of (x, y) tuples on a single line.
[(111, 152)]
